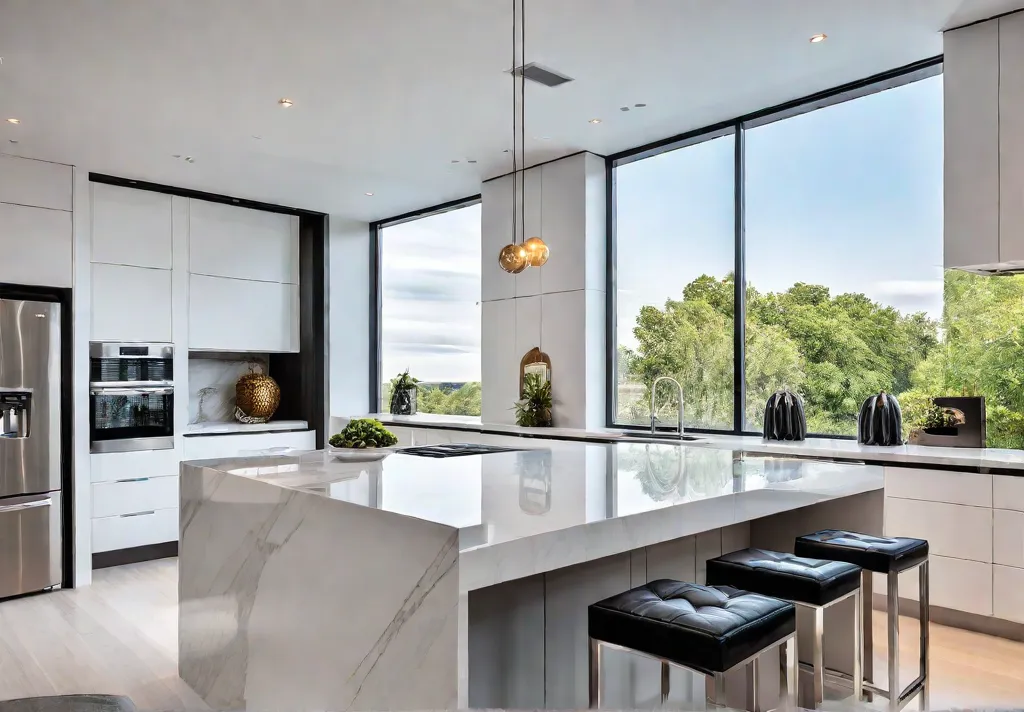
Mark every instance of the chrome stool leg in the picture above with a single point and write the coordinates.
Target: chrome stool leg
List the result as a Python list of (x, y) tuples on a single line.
[(714, 689), (753, 701), (664, 682), (858, 647), (818, 658), (893, 606), (595, 673), (924, 617)]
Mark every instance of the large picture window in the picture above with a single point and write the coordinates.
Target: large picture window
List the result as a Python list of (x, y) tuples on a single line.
[(841, 270), (430, 309)]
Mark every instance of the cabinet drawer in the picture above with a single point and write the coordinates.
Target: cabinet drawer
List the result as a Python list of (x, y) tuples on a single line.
[(939, 486), (124, 532), (1008, 537), (112, 466), (1008, 593), (130, 496), (951, 529), (1008, 492), (953, 583), (208, 447)]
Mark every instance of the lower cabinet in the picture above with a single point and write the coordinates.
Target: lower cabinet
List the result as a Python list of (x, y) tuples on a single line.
[(144, 494), (1008, 593), (208, 447), (125, 531), (953, 583)]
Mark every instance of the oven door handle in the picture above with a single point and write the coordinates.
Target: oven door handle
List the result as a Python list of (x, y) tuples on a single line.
[(131, 384), (147, 391)]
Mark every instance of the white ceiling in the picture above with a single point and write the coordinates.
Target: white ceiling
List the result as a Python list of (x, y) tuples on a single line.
[(388, 92)]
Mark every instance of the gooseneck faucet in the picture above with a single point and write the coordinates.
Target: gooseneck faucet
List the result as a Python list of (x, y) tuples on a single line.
[(654, 391)]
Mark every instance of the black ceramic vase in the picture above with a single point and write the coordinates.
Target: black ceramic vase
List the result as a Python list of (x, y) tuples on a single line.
[(784, 417), (403, 401), (880, 421)]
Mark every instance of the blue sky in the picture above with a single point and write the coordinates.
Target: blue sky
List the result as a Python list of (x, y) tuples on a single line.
[(849, 196)]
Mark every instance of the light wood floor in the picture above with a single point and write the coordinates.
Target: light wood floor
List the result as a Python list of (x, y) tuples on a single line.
[(119, 636)]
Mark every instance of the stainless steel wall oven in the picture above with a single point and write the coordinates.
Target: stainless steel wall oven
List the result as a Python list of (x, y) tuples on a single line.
[(131, 397)]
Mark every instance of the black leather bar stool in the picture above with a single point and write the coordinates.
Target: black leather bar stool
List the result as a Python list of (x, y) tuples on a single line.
[(890, 556), (814, 584), (710, 630)]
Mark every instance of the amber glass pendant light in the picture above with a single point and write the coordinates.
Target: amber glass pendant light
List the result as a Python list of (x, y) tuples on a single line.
[(520, 253)]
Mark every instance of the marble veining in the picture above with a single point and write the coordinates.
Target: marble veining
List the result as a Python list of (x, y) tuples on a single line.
[(211, 385)]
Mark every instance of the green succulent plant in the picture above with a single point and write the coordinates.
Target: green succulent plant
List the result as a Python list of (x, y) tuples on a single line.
[(364, 433)]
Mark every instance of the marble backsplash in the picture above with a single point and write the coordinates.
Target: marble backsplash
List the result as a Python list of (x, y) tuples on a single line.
[(211, 385)]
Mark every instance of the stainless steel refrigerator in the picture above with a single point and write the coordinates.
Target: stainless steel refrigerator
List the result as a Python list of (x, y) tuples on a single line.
[(30, 452)]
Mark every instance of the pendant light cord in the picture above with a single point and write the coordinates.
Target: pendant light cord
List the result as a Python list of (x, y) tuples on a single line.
[(515, 164)]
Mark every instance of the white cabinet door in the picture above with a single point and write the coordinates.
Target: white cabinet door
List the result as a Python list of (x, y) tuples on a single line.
[(1008, 538), (131, 227), (131, 303), (227, 241), (110, 499), (24, 181), (971, 145), (495, 233), (1008, 593), (951, 529), (35, 246), (1011, 128), (208, 447), (1008, 492), (939, 486), (241, 315), (139, 529), (953, 583)]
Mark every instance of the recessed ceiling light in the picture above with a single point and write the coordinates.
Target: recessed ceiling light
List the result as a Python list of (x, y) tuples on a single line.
[(623, 108), (14, 121), (176, 155), (455, 160), (545, 138), (368, 193), (285, 103), (639, 106), (13, 140), (470, 161), (595, 121), (820, 37), (189, 159), (258, 138)]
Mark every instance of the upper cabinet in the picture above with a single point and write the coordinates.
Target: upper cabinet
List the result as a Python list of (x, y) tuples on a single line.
[(131, 303), (38, 184), (35, 245), (242, 315), (227, 241), (983, 85), (131, 227)]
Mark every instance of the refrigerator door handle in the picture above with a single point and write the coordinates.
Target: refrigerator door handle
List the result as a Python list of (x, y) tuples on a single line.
[(45, 502)]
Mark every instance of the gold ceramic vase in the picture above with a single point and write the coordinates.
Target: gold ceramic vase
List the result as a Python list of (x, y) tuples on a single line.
[(257, 396)]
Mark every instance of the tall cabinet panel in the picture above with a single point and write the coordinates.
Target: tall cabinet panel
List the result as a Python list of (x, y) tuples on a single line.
[(971, 145), (131, 227)]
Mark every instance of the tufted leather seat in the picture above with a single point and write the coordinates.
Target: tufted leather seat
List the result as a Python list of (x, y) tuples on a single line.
[(705, 628), (874, 553), (774, 573)]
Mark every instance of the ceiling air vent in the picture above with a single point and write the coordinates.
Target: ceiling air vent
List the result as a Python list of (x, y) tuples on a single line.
[(542, 75)]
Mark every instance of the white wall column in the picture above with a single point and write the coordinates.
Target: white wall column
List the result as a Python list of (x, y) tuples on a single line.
[(559, 307), (348, 305)]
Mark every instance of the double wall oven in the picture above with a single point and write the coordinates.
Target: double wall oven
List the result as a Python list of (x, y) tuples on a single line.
[(131, 397)]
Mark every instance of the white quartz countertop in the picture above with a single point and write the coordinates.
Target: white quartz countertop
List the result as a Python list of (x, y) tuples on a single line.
[(234, 428), (557, 503), (839, 449)]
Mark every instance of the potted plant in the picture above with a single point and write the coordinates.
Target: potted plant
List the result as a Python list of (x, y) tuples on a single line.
[(533, 410), (403, 394), (363, 439)]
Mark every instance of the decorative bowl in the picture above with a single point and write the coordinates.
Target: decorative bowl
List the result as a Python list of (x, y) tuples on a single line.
[(360, 454)]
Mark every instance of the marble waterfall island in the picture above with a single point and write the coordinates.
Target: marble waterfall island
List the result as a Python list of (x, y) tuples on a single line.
[(419, 583)]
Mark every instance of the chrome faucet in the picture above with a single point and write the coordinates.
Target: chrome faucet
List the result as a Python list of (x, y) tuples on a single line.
[(654, 391)]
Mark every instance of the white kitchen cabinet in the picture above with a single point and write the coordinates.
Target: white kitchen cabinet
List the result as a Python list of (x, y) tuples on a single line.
[(952, 583), (113, 466), (208, 447), (145, 494), (242, 315), (131, 303), (971, 145), (35, 246), (40, 184), (1011, 128), (1008, 492), (1008, 538), (137, 529), (969, 538), (131, 227), (495, 233), (228, 241), (939, 486), (1008, 593)]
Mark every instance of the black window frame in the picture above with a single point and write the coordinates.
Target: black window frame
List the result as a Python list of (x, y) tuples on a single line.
[(900, 76), (376, 245)]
